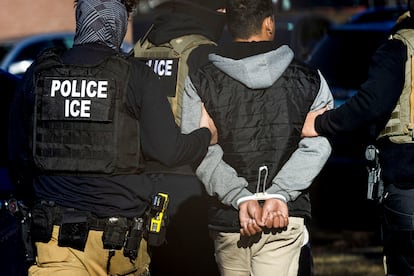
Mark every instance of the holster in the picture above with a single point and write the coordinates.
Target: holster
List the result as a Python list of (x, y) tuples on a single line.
[(114, 233), (74, 229), (42, 223), (133, 239)]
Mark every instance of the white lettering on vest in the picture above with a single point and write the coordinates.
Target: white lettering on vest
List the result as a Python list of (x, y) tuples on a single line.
[(65, 88), (86, 89), (90, 89), (77, 108), (162, 67), (55, 87)]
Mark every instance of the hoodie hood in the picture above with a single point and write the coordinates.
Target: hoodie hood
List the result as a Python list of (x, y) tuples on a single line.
[(175, 20), (101, 21), (256, 72)]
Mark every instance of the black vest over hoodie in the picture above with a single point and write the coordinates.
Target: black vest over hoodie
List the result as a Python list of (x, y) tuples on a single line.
[(258, 127)]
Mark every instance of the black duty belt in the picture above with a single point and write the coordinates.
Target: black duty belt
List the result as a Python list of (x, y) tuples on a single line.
[(118, 232), (94, 222)]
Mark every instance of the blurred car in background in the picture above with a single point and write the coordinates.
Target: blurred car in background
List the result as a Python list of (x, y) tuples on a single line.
[(344, 54), (17, 54), (378, 14)]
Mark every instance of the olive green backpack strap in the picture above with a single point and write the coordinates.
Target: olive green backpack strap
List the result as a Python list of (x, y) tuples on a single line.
[(169, 61)]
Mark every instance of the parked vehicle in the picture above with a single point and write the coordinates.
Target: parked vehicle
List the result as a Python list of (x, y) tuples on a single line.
[(17, 54), (343, 55), (378, 14)]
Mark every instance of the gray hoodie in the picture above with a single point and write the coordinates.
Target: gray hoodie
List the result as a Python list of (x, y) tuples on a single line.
[(257, 72)]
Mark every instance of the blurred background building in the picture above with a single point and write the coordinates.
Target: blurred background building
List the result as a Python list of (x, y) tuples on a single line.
[(24, 17)]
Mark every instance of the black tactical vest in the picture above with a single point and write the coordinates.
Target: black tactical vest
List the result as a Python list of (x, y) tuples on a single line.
[(258, 127), (81, 125)]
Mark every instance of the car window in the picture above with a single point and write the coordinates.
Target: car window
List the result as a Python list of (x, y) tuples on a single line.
[(379, 14), (4, 49), (31, 51), (343, 56)]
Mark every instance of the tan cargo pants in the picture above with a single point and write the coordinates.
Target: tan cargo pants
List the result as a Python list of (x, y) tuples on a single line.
[(265, 254), (61, 261)]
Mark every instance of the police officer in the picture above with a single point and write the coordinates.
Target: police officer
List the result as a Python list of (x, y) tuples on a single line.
[(83, 123), (383, 106), (191, 28)]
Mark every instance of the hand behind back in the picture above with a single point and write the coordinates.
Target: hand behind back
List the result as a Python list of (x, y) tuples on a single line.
[(253, 218)]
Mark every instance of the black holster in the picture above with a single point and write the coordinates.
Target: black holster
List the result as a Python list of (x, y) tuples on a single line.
[(133, 239), (114, 233), (42, 223), (74, 229)]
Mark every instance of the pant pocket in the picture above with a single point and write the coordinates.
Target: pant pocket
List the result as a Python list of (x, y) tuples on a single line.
[(48, 253)]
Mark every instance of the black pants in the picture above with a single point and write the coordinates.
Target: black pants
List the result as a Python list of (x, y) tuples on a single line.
[(189, 250), (398, 230), (306, 261)]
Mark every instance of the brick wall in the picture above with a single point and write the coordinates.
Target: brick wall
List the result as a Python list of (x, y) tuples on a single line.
[(25, 17)]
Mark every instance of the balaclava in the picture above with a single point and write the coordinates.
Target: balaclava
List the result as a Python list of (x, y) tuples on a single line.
[(101, 21)]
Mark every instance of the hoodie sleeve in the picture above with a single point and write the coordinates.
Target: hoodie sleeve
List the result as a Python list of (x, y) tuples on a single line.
[(218, 177), (308, 160)]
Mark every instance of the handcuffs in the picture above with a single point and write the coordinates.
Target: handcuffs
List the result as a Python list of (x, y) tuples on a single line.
[(261, 195)]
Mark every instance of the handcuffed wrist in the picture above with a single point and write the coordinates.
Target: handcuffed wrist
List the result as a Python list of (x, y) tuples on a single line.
[(260, 196)]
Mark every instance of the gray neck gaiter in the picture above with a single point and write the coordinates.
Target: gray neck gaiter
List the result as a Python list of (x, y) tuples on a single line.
[(101, 21)]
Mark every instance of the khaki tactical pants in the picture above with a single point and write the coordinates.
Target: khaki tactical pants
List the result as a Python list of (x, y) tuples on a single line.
[(60, 261), (263, 254)]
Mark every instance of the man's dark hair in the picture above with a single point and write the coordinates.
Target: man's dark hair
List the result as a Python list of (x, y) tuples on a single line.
[(129, 4), (245, 17)]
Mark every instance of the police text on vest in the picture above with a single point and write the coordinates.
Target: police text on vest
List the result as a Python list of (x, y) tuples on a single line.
[(78, 95), (162, 67)]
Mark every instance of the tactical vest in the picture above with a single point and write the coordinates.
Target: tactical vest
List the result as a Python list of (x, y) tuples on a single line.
[(399, 127), (81, 125), (169, 61), (266, 122)]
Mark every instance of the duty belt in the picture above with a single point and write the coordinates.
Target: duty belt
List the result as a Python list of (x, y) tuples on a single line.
[(75, 224), (94, 222)]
